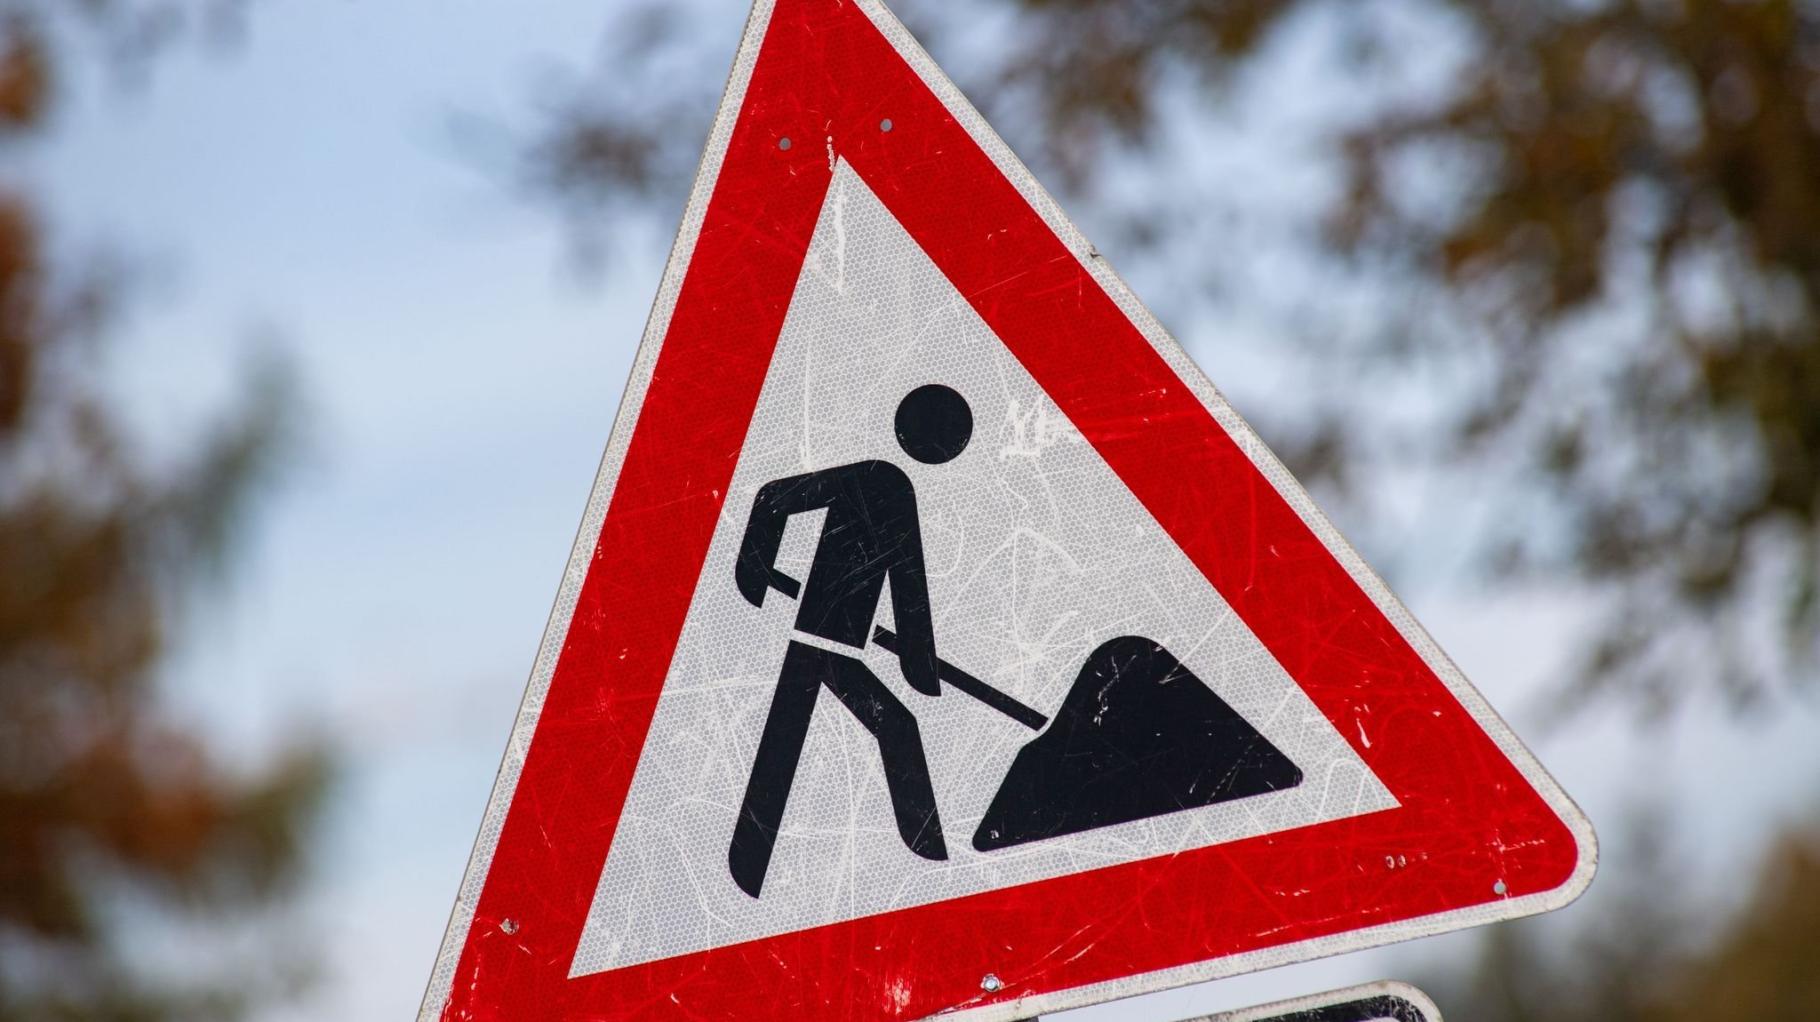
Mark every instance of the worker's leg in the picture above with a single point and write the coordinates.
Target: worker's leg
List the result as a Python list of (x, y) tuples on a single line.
[(900, 746), (774, 767)]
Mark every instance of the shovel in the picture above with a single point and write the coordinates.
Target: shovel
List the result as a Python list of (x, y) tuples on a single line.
[(961, 680), (1137, 736)]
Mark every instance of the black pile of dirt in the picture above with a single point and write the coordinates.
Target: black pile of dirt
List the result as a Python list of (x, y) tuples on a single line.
[(1138, 736)]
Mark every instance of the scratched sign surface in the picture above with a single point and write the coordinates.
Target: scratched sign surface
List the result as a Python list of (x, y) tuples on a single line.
[(937, 640), (1387, 1001)]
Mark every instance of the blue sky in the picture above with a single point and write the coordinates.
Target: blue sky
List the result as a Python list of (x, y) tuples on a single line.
[(462, 381)]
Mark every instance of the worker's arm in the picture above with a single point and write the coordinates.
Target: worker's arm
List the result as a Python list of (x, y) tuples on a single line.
[(910, 605), (755, 571)]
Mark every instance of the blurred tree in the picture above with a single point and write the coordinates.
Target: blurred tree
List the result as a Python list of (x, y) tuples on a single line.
[(1655, 957), (116, 824), (1605, 219), (1763, 965)]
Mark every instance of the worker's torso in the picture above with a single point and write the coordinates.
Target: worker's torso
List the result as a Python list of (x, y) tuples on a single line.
[(870, 529)]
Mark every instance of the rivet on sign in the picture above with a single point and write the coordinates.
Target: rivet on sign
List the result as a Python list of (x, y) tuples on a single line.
[(510, 926), (784, 143), (1499, 888), (885, 125), (991, 983)]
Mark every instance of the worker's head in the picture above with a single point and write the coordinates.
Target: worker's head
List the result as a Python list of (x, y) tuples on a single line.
[(934, 424)]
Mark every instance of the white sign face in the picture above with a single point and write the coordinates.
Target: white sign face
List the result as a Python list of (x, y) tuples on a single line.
[(1036, 554)]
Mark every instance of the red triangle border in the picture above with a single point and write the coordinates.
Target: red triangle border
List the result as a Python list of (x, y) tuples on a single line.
[(1481, 833)]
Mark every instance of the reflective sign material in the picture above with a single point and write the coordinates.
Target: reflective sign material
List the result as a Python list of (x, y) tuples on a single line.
[(939, 641)]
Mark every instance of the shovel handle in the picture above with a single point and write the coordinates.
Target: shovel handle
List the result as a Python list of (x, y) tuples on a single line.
[(785, 584), (966, 683), (970, 685)]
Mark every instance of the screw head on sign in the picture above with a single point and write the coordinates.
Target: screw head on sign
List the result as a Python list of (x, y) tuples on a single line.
[(991, 983), (1499, 888), (510, 926)]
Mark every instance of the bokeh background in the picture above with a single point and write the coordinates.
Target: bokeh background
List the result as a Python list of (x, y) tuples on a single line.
[(314, 317)]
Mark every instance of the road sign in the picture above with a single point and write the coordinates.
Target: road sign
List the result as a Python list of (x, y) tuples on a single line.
[(938, 640), (1388, 1001)]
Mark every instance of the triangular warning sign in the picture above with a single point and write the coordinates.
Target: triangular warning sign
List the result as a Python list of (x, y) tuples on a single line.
[(1047, 581), (937, 639)]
